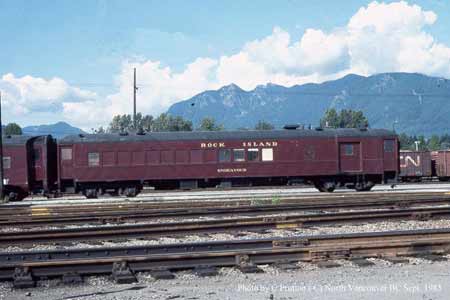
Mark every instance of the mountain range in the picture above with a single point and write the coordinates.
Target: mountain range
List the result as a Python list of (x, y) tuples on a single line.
[(57, 130), (408, 102)]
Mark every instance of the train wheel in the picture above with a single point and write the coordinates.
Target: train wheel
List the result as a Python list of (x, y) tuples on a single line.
[(6, 198), (364, 186), (90, 193), (130, 192), (325, 186)]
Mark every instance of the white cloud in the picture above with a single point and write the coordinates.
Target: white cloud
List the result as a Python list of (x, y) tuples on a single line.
[(26, 97), (378, 38), (391, 37)]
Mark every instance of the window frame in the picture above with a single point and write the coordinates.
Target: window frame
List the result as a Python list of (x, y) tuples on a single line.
[(227, 156), (348, 146), (7, 162), (253, 150), (90, 164), (36, 154), (240, 151), (153, 157), (390, 149), (196, 156), (137, 158), (64, 154), (210, 156), (263, 154)]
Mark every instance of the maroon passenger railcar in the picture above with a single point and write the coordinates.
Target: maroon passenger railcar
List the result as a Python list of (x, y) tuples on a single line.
[(123, 164), (29, 165)]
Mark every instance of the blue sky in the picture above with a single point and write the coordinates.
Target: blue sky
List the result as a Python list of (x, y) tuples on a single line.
[(91, 46)]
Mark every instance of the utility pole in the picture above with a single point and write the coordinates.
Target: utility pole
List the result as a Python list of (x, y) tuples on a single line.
[(1, 151), (134, 100), (393, 125), (417, 145)]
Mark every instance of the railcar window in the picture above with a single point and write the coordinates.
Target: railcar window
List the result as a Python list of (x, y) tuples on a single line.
[(138, 158), (389, 145), (167, 157), (224, 155), (181, 156), (93, 159), (66, 153), (239, 154), (310, 153), (108, 158), (36, 155), (153, 157), (348, 149), (253, 154), (123, 158), (196, 156), (210, 156), (267, 154), (7, 162)]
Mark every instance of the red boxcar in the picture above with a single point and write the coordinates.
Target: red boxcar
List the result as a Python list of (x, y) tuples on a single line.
[(327, 158), (443, 165), (414, 165), (29, 165)]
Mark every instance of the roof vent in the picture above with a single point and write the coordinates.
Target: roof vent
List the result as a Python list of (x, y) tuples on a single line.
[(123, 133), (291, 126)]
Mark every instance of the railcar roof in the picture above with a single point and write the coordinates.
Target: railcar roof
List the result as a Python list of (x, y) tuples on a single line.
[(226, 135), (21, 139)]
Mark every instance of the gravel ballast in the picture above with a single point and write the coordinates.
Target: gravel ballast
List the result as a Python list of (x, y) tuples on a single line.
[(370, 227), (419, 279)]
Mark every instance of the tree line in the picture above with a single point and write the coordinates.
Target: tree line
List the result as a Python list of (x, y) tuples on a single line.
[(165, 122), (345, 118), (12, 129), (434, 143), (356, 119)]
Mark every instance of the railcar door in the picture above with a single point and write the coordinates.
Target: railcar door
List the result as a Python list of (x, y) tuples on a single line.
[(390, 155), (350, 157), (66, 161), (37, 165)]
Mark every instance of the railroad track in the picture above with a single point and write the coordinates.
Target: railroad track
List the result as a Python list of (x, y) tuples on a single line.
[(124, 212), (123, 262), (176, 229)]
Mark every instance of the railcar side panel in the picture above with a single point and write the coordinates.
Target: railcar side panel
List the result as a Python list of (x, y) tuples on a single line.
[(443, 165), (15, 166), (415, 164), (222, 159)]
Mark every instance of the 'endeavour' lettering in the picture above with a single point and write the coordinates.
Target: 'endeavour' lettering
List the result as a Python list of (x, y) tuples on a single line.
[(235, 170)]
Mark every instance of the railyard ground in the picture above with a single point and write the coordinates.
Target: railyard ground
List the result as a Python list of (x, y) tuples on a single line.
[(418, 279)]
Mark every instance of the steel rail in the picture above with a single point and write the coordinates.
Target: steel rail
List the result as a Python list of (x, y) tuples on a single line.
[(241, 253), (40, 216), (171, 229), (213, 200)]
